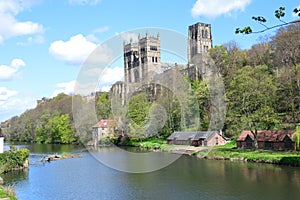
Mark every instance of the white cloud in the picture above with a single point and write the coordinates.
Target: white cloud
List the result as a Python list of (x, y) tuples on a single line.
[(5, 94), (66, 87), (8, 72), (10, 26), (13, 103), (73, 51), (84, 2), (109, 77), (214, 8)]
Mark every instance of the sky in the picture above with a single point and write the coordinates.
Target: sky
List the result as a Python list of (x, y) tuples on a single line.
[(43, 43)]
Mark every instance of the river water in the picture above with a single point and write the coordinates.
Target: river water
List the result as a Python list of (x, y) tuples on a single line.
[(186, 178)]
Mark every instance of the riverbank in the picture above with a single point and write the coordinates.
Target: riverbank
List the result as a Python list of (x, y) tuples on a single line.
[(224, 152), (290, 158)]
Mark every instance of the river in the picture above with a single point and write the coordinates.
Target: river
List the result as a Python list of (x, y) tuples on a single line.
[(186, 178)]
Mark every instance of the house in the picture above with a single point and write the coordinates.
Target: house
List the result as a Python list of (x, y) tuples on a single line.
[(267, 139), (202, 138), (103, 129)]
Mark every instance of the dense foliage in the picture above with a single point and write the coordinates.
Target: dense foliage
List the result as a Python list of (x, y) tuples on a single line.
[(10, 160), (49, 122)]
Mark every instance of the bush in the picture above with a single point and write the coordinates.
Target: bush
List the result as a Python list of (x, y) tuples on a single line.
[(10, 160)]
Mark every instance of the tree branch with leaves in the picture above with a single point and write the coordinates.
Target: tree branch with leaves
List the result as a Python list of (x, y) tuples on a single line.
[(279, 14)]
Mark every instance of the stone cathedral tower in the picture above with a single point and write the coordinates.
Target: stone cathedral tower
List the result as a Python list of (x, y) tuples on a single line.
[(141, 59), (199, 39)]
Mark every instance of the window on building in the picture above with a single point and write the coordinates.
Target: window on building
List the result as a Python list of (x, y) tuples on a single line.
[(156, 59), (153, 59), (202, 33), (205, 48), (205, 35), (153, 48), (217, 140)]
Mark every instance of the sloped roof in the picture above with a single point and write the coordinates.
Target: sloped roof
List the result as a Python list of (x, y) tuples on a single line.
[(274, 135), (191, 135), (104, 123), (267, 135), (243, 135)]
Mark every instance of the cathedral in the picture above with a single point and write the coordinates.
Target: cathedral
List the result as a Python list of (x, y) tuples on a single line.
[(142, 59)]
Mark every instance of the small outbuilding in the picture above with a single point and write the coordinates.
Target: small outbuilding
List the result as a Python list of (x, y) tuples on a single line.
[(202, 138), (246, 140), (267, 139)]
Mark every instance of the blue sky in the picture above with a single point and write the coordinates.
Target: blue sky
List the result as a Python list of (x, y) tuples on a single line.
[(44, 42)]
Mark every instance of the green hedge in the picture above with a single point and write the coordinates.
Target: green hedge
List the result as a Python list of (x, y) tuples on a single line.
[(10, 160)]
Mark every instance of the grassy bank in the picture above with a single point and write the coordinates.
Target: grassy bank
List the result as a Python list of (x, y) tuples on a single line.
[(7, 193), (149, 143), (14, 160), (229, 152)]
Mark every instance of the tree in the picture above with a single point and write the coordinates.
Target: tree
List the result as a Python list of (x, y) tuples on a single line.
[(138, 109), (201, 93), (296, 138), (103, 106), (62, 131), (251, 99), (286, 47), (43, 129)]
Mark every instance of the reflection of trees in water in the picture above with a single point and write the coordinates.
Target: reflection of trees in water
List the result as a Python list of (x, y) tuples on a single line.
[(269, 173), (15, 176)]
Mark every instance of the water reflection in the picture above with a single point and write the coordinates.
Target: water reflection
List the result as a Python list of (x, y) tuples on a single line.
[(186, 178), (15, 176)]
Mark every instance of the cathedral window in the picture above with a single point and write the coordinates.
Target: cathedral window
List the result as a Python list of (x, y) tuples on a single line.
[(153, 48)]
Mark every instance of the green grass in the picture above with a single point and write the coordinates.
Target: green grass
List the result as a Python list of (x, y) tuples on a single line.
[(229, 151), (149, 143), (7, 192)]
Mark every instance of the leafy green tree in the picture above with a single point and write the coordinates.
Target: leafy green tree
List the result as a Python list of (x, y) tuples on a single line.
[(138, 109), (251, 99), (43, 129), (62, 129), (296, 137), (201, 93), (103, 106)]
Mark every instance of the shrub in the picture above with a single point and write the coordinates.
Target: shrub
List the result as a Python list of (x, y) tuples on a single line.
[(10, 160)]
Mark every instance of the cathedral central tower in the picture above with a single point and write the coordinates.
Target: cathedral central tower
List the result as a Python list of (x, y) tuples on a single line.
[(141, 59)]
